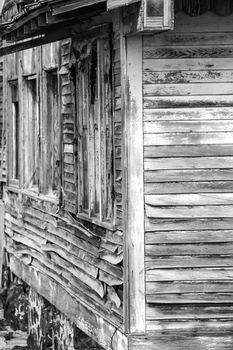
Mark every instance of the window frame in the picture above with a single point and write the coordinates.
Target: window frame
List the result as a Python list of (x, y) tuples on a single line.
[(14, 165), (99, 124)]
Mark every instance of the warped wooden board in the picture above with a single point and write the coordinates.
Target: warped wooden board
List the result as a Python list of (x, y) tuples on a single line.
[(187, 126), (174, 52), (189, 199), (191, 274), (85, 317), (181, 341), (220, 286), (188, 175), (211, 326), (181, 64), (186, 138), (174, 224), (182, 237), (188, 187), (188, 101), (197, 113), (188, 89), (190, 298), (188, 312), (188, 151), (189, 38), (184, 77), (187, 163), (164, 262), (217, 248), (199, 211)]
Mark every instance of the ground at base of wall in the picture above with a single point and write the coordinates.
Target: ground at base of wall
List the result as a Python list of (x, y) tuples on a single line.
[(29, 322)]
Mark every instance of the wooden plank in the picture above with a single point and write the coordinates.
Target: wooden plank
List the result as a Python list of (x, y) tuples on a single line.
[(189, 175), (177, 52), (183, 237), (201, 211), (185, 38), (188, 187), (135, 214), (186, 163), (155, 250), (198, 326), (181, 341), (184, 77), (188, 151), (2, 240), (176, 224), (188, 126), (193, 64), (188, 138), (190, 298), (189, 199), (106, 334), (164, 262), (188, 89), (188, 101), (189, 312), (197, 113)]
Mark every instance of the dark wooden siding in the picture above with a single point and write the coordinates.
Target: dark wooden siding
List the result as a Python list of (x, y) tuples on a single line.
[(188, 168), (42, 235)]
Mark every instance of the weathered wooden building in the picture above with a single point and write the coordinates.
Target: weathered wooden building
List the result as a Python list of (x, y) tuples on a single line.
[(119, 194)]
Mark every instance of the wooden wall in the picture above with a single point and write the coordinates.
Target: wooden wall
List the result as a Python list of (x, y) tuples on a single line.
[(2, 129), (42, 234), (188, 173)]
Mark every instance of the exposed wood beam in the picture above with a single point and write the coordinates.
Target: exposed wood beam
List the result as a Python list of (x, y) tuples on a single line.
[(38, 41), (73, 6)]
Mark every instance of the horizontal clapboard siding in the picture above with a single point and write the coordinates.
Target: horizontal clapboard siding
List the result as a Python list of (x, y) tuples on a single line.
[(188, 175)]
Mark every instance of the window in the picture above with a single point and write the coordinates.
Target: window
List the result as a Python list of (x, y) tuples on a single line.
[(14, 145), (32, 134), (51, 133), (94, 130)]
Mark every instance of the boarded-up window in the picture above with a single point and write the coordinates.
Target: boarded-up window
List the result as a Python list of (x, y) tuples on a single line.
[(32, 133), (14, 133), (94, 130), (52, 133)]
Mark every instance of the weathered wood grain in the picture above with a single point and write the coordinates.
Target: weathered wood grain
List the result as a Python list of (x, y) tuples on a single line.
[(190, 298), (213, 211), (189, 236), (188, 151), (190, 138), (189, 175), (189, 114), (188, 163), (155, 224), (206, 286), (193, 64), (198, 326), (189, 199), (188, 126), (184, 39), (184, 77), (188, 101), (181, 341), (188, 89), (160, 262), (174, 52), (185, 249), (189, 312)]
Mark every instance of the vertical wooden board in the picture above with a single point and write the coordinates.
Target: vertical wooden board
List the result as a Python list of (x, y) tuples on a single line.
[(135, 213), (2, 212)]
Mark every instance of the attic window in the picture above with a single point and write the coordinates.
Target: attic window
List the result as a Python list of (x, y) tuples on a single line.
[(157, 14)]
